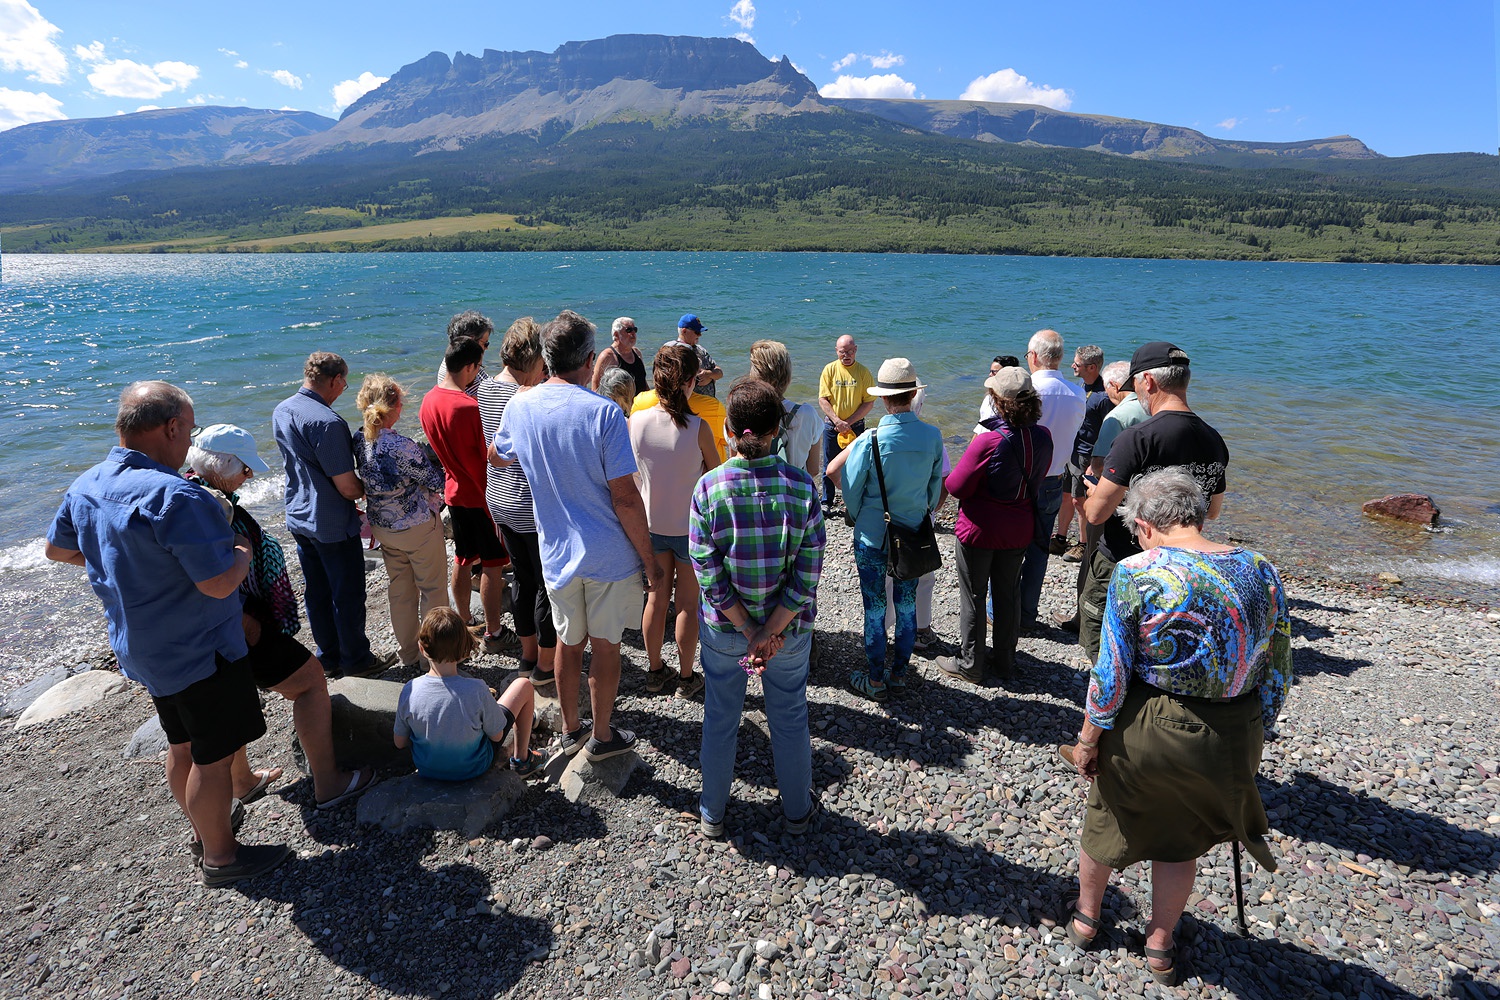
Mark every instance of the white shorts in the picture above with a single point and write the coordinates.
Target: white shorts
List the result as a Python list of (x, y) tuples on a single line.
[(595, 609)]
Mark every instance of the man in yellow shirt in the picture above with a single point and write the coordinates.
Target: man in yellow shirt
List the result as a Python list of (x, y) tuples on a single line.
[(843, 398)]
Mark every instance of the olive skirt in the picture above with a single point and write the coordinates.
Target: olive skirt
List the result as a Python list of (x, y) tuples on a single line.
[(1176, 777)]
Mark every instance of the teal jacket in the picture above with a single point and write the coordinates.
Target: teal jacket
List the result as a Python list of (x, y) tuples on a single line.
[(911, 453)]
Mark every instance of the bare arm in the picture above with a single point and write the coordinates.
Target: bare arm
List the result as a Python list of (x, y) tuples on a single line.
[(836, 467), (631, 511), (72, 557), (495, 459), (815, 457), (862, 412), (349, 486), (607, 360), (229, 581), (401, 740), (1215, 505), (825, 403), (707, 446), (1104, 496)]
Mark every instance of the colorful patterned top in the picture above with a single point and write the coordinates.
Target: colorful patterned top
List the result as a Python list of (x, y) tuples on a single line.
[(755, 533), (1201, 624), (398, 476)]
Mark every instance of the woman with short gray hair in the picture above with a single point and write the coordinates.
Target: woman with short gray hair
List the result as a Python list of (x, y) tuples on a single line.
[(1195, 661)]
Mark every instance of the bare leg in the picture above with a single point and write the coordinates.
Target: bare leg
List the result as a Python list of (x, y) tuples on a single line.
[(529, 648), (654, 620), (546, 657), (1065, 515), (239, 770), (1093, 877), (312, 718), (520, 698), (570, 675), (687, 617), (1171, 884), (604, 684), (207, 795), (461, 585), (492, 597)]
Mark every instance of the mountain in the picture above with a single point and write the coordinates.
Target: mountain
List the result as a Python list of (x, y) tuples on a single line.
[(47, 153), (1030, 123), (442, 104)]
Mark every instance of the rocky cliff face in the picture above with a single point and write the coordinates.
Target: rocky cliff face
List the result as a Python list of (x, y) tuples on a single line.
[(48, 153)]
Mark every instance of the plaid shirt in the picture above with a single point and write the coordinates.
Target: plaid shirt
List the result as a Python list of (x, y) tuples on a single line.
[(755, 534)]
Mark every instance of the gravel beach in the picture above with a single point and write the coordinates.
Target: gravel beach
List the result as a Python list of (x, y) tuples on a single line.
[(942, 865)]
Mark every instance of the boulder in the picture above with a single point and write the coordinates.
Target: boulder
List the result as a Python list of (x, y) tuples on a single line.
[(22, 697), (1414, 508), (74, 694), (585, 781), (547, 711), (364, 714), (149, 740), (412, 802)]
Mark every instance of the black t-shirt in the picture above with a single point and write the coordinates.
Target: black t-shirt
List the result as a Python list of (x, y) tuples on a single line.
[(1167, 439)]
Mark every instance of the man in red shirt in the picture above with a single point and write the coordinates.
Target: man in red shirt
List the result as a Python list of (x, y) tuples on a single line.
[(450, 419)]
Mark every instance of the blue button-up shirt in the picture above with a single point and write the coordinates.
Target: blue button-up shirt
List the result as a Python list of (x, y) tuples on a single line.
[(911, 453), (315, 445), (149, 537)]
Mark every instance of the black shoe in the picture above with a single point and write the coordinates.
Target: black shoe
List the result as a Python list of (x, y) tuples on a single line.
[(622, 742), (1058, 545), (571, 743), (249, 861)]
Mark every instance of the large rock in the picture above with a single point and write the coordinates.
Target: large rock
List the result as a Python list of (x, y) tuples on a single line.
[(22, 697), (72, 695), (149, 741), (1415, 508), (364, 714), (586, 781), (413, 802), (547, 710)]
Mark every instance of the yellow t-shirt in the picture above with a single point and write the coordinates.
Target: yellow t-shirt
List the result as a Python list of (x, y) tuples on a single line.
[(710, 409), (845, 387)]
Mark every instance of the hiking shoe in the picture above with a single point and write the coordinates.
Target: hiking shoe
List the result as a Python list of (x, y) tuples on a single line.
[(249, 861), (1058, 545), (529, 765), (656, 680), (926, 639), (541, 676), (503, 641), (797, 827), (1068, 623), (622, 742), (949, 665), (376, 666), (690, 687), (1074, 553), (570, 743), (712, 829)]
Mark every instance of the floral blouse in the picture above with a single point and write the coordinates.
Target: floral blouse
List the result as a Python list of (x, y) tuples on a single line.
[(398, 476)]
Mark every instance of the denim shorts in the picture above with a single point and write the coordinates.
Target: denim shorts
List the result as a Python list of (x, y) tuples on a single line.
[(675, 544)]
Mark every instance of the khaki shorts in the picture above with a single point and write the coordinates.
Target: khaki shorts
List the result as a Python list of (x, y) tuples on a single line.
[(594, 609)]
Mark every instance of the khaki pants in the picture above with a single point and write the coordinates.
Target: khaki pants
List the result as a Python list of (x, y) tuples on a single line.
[(416, 560)]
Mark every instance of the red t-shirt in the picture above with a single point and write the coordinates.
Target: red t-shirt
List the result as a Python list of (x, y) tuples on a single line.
[(450, 419)]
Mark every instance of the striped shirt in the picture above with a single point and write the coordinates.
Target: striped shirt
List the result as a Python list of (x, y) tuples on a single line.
[(507, 493), (756, 535)]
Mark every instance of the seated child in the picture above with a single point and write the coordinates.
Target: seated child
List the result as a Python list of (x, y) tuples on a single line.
[(450, 721)]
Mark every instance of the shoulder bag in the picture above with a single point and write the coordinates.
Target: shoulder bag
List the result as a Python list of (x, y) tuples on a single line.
[(911, 552)]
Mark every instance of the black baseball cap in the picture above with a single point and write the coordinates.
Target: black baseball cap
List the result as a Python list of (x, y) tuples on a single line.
[(1157, 354)]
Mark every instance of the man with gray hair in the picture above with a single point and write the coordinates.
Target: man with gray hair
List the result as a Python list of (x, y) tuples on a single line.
[(161, 556), (591, 523), (1062, 414), (1173, 435)]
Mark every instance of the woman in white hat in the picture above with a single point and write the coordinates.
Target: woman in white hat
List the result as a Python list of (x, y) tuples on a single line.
[(911, 460)]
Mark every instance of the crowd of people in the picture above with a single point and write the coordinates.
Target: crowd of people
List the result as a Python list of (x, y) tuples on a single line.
[(597, 491)]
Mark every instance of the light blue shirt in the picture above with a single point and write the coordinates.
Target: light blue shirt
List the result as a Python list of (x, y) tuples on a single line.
[(572, 442), (315, 446), (1130, 412), (911, 453), (452, 723), (149, 537)]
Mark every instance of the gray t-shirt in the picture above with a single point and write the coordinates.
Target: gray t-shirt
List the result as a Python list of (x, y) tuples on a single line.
[(451, 722)]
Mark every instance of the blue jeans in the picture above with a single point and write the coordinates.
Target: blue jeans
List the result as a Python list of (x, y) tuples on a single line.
[(1034, 568), (334, 577), (830, 449), (784, 685), (871, 561)]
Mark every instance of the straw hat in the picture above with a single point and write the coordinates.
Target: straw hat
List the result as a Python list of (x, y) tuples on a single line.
[(895, 377)]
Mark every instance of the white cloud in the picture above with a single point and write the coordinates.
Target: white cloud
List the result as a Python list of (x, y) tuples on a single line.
[(1006, 86), (881, 85), (26, 45), (241, 64), (745, 37), (845, 62), (743, 14), (1277, 111), (128, 78), (229, 52), (19, 107), (886, 60), (149, 107), (93, 53), (285, 77), (1228, 123), (346, 93)]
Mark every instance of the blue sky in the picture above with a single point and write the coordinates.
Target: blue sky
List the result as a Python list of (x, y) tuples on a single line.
[(1405, 78)]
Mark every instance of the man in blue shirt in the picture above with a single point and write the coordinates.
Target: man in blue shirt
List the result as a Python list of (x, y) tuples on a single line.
[(321, 488), (161, 556)]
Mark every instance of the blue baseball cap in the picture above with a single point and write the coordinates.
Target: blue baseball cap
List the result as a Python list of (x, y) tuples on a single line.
[(690, 321)]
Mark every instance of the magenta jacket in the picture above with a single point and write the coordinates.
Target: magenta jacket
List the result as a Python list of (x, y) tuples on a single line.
[(996, 483)]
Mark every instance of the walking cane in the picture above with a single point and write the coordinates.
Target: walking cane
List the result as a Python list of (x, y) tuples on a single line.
[(1239, 893)]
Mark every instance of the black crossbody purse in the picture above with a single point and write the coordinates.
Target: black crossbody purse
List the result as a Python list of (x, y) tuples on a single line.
[(910, 552)]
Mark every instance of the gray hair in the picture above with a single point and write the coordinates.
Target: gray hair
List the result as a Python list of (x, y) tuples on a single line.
[(1047, 345), (1089, 354), (618, 384), (145, 406), (1165, 498), (1116, 373), (1171, 378), (567, 342), (620, 323), (214, 466)]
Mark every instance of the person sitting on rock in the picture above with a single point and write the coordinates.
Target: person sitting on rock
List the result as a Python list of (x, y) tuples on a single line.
[(450, 720)]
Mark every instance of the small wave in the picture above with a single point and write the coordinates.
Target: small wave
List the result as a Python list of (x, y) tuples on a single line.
[(561, 267), (258, 491), (24, 556), (184, 343), (313, 325), (1474, 569)]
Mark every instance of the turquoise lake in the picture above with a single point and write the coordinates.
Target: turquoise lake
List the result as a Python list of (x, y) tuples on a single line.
[(1331, 383)]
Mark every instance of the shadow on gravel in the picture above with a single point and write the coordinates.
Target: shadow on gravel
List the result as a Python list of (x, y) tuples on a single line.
[(1306, 662), (1311, 808), (376, 911), (1262, 967)]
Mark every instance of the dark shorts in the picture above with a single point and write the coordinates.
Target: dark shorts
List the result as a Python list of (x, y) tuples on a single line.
[(217, 715), (1073, 482), (275, 658), (474, 536), (675, 544)]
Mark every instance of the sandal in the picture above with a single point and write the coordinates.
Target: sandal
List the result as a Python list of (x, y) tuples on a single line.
[(1077, 940), (656, 679), (1167, 976), (262, 785), (354, 791), (861, 684)]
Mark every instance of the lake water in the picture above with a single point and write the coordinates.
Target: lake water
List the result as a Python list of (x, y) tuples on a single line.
[(1332, 383)]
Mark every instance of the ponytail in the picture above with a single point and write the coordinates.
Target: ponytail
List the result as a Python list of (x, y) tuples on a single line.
[(672, 374), (379, 395)]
